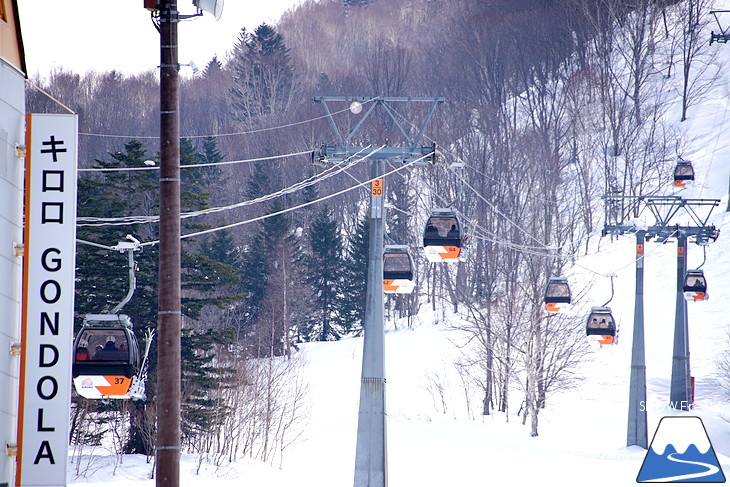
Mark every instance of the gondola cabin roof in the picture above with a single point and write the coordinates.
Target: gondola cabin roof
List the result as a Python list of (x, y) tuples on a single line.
[(396, 249), (448, 212), (107, 320)]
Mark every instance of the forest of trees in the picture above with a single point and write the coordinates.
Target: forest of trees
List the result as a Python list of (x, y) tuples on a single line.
[(550, 105)]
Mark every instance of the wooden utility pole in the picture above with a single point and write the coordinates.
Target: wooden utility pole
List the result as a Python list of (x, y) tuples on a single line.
[(169, 316)]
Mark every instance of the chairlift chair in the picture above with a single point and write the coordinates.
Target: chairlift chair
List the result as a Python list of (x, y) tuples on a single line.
[(695, 286), (557, 294), (397, 270), (601, 325), (443, 239), (107, 360), (684, 174)]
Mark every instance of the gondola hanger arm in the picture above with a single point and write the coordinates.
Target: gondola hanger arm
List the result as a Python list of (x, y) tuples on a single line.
[(612, 275)]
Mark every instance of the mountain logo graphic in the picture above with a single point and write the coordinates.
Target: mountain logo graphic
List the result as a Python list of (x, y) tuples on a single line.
[(681, 452)]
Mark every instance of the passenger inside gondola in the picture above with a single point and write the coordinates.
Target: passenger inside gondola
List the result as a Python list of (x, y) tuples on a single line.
[(431, 232), (441, 231), (82, 352), (109, 351), (684, 171)]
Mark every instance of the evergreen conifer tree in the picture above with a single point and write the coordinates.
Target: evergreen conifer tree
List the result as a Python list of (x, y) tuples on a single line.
[(356, 275), (213, 68), (221, 246), (263, 74), (326, 277), (102, 275)]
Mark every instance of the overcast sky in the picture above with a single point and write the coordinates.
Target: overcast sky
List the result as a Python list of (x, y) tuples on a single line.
[(81, 35)]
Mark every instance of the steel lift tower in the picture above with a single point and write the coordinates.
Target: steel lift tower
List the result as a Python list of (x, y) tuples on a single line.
[(664, 209), (371, 462)]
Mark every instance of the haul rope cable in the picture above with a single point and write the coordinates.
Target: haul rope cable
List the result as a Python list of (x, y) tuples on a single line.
[(128, 220), (297, 207), (490, 237), (230, 134), (194, 166), (523, 248), (534, 250)]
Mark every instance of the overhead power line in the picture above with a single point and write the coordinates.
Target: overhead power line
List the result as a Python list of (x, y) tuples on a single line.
[(287, 210), (140, 219), (229, 134), (297, 207), (195, 166)]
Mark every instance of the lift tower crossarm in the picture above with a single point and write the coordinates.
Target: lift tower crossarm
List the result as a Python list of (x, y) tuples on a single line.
[(664, 209), (344, 149), (674, 203)]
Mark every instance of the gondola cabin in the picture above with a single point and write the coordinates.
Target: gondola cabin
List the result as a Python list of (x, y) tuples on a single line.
[(107, 358), (601, 326), (695, 286), (443, 239), (557, 294), (684, 174), (397, 270)]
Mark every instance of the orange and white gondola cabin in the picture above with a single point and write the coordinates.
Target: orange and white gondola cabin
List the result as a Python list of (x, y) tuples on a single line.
[(397, 270), (695, 286), (600, 326), (443, 238), (107, 358), (557, 295), (684, 174)]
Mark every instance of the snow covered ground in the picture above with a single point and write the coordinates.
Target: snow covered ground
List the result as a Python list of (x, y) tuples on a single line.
[(583, 431), (582, 437)]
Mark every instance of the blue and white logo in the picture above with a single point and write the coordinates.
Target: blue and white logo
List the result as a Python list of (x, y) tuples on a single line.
[(680, 452)]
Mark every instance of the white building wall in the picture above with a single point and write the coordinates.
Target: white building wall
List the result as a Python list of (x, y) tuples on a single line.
[(12, 133)]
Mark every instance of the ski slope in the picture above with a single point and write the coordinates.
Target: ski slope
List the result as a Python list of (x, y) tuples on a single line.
[(435, 442)]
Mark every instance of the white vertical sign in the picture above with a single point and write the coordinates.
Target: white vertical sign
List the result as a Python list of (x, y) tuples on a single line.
[(48, 299)]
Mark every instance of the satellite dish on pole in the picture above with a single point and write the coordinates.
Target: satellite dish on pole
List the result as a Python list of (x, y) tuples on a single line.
[(214, 7)]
